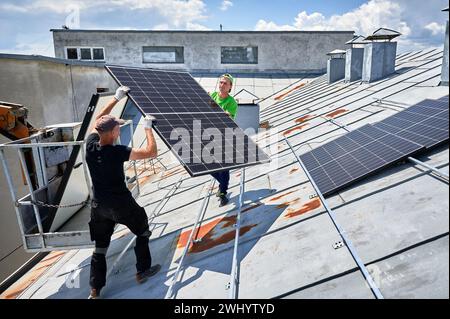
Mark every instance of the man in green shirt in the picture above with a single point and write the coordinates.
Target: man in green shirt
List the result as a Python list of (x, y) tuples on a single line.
[(229, 105)]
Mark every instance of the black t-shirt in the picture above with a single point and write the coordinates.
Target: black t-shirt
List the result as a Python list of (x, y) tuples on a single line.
[(106, 167)]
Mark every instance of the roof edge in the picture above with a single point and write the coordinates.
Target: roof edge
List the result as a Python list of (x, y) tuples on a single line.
[(34, 57), (189, 31)]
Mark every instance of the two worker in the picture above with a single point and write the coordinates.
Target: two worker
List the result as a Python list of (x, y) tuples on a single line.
[(112, 202)]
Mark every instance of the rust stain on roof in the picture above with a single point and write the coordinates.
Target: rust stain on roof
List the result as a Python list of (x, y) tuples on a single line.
[(299, 127), (281, 196), (201, 231), (251, 207), (287, 204), (336, 113), (144, 179), (303, 118), (172, 173), (281, 96), (210, 241), (32, 276), (307, 207), (293, 170), (212, 234)]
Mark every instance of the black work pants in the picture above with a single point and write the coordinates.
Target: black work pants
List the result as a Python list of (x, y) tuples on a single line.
[(101, 226), (224, 179)]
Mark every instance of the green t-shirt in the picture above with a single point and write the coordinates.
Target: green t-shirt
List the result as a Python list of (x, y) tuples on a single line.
[(228, 104)]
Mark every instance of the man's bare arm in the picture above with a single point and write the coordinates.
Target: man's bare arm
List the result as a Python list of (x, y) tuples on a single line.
[(151, 150), (107, 109), (120, 93)]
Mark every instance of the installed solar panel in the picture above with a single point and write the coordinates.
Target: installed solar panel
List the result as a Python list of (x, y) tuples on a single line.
[(424, 123), (197, 130), (354, 156)]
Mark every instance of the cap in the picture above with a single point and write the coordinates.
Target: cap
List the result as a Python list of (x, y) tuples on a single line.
[(229, 77), (107, 123)]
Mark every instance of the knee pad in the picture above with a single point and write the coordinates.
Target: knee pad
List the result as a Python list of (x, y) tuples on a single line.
[(146, 234), (101, 251)]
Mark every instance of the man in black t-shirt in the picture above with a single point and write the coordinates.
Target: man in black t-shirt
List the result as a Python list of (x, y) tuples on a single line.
[(112, 202)]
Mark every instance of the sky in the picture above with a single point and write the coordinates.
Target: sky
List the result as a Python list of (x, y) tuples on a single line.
[(25, 24)]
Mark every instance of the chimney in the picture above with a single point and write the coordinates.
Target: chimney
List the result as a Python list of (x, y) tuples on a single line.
[(444, 73), (354, 59), (336, 66), (379, 55), (248, 116)]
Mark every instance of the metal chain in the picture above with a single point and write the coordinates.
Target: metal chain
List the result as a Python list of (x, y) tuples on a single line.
[(42, 204)]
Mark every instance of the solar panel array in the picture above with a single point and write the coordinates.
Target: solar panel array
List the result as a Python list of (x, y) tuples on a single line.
[(354, 156), (197, 130), (370, 148), (425, 123)]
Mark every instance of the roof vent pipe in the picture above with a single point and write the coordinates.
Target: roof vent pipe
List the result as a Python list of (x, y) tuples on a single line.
[(379, 55), (354, 58), (336, 66), (444, 72)]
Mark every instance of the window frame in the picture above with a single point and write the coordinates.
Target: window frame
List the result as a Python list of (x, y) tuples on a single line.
[(79, 53), (163, 46), (244, 47)]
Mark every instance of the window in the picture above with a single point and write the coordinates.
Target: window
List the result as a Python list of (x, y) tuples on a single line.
[(98, 54), (85, 54), (239, 55), (163, 54), (72, 53)]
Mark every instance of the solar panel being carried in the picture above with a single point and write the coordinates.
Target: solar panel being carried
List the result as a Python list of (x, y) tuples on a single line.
[(160, 92), (203, 137)]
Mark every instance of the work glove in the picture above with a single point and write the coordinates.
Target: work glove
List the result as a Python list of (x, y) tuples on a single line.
[(121, 92), (149, 120)]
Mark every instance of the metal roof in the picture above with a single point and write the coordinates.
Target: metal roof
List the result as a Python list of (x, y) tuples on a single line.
[(196, 31), (397, 220), (50, 59)]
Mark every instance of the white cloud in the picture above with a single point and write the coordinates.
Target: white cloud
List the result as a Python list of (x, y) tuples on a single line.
[(226, 4), (162, 26), (177, 13), (435, 28), (262, 25), (57, 6), (399, 15), (196, 26), (9, 7), (29, 45), (365, 19)]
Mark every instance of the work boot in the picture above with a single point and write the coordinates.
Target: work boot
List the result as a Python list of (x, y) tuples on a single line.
[(142, 276), (223, 199), (95, 293)]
